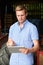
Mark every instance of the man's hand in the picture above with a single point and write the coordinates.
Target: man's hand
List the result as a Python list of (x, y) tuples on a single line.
[(10, 43), (24, 50)]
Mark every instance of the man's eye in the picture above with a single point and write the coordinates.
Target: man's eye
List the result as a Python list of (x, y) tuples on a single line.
[(18, 15)]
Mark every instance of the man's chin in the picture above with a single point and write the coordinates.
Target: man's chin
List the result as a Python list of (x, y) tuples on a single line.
[(20, 21)]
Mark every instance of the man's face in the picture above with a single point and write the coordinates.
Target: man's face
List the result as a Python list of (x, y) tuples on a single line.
[(21, 16)]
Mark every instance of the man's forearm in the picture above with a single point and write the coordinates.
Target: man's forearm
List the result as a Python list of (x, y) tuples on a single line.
[(33, 49)]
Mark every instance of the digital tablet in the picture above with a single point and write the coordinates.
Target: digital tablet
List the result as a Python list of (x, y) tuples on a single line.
[(15, 49)]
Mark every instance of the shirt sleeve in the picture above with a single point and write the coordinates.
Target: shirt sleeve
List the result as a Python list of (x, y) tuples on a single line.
[(34, 33), (10, 33)]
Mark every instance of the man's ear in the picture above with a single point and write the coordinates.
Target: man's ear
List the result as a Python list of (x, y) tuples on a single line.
[(26, 14)]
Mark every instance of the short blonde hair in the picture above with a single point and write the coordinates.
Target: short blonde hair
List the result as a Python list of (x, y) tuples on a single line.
[(20, 7)]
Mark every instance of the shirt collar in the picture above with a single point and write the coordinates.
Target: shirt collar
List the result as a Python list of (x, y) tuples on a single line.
[(23, 25)]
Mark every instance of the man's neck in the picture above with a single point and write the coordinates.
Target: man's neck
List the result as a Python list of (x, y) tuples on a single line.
[(21, 25)]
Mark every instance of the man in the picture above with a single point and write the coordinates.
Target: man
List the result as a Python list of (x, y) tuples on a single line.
[(23, 33)]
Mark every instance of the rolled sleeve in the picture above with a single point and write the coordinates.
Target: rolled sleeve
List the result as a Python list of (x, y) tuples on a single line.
[(34, 33), (10, 33)]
